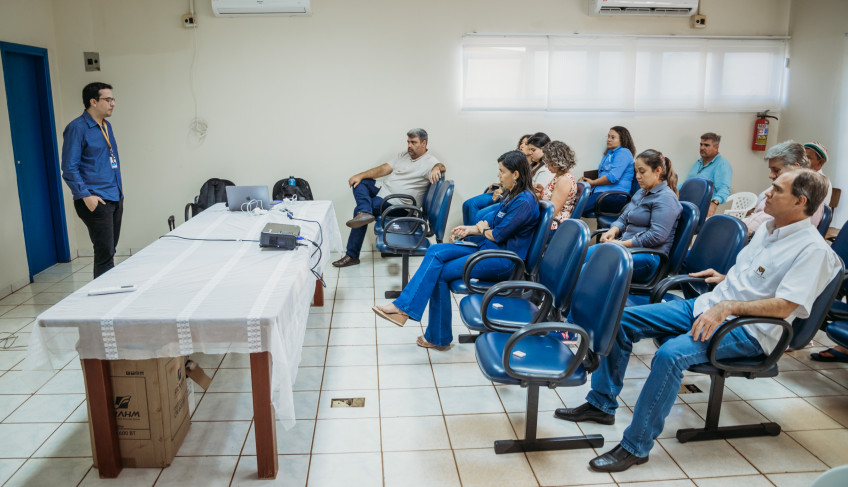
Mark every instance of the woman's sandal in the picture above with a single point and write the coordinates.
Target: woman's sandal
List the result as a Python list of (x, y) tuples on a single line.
[(398, 318), (833, 356), (423, 343)]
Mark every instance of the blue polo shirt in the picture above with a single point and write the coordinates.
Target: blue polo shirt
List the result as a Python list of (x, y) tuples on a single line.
[(617, 166), (718, 171), (86, 167), (513, 223)]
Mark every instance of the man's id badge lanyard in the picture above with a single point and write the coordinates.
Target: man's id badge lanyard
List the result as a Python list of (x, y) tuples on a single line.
[(104, 129)]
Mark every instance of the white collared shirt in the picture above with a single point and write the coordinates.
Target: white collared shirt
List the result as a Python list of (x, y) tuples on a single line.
[(792, 262)]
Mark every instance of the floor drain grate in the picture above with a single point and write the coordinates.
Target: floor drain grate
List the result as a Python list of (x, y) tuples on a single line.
[(347, 402), (689, 389)]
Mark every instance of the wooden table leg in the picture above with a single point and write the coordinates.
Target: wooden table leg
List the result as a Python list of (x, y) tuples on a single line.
[(318, 297), (98, 383), (264, 422)]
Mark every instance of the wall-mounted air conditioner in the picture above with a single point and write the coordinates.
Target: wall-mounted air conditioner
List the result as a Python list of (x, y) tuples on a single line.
[(681, 8), (246, 8)]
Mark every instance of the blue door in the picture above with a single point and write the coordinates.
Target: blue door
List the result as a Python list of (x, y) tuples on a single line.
[(28, 95)]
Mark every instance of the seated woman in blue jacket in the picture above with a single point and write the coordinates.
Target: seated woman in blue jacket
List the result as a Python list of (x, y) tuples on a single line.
[(510, 227), (649, 220), (615, 172)]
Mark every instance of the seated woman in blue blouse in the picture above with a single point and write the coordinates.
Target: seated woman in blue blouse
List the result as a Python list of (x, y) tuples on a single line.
[(615, 172), (510, 227), (476, 208), (649, 220)]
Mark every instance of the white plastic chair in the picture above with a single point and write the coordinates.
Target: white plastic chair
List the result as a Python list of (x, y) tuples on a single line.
[(835, 477), (740, 204)]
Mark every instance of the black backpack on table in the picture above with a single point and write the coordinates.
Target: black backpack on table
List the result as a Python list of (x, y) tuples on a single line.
[(291, 186)]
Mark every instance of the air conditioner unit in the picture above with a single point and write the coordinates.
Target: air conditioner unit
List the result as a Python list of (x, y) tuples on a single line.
[(676, 8), (247, 8)]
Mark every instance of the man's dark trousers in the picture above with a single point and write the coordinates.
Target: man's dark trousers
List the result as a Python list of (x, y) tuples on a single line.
[(367, 201), (104, 228)]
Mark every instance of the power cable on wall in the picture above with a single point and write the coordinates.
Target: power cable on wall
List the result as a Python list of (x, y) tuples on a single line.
[(198, 128)]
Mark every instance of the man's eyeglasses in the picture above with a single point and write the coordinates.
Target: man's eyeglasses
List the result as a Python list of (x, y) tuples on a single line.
[(108, 100)]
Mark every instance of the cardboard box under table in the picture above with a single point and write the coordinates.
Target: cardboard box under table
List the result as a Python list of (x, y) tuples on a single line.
[(150, 401), (213, 290)]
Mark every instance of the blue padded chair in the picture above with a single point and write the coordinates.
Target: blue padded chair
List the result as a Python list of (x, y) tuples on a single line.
[(824, 224), (531, 357), (838, 332), (399, 239), (394, 205), (795, 336), (558, 274), (699, 192), (839, 309), (583, 192), (669, 264), (528, 268), (721, 240)]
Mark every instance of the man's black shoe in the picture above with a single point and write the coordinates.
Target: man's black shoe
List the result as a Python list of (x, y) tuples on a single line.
[(585, 412), (616, 460), (360, 220)]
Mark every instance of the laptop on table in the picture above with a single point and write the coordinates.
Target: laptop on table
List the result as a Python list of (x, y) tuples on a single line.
[(245, 198)]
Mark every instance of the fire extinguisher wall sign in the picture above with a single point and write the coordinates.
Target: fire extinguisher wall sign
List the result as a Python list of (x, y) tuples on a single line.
[(761, 126)]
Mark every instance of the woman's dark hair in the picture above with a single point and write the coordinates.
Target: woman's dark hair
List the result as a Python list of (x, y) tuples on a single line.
[(654, 159), (520, 139), (515, 160), (626, 139), (538, 139)]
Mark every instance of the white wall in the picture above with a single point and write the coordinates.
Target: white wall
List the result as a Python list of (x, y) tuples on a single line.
[(818, 88), (326, 96)]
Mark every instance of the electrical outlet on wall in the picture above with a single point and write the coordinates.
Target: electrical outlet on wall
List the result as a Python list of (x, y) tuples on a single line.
[(699, 21), (189, 21)]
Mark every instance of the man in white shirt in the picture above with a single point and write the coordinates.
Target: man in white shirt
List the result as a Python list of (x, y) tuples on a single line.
[(779, 274), (784, 156), (409, 173)]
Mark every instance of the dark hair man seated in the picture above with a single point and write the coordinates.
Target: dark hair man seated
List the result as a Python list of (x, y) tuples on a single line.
[(408, 173), (779, 274)]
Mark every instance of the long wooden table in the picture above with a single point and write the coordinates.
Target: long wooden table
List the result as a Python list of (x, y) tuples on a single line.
[(204, 288)]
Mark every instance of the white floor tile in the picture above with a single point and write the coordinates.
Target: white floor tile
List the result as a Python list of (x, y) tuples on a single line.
[(514, 398), (28, 437), (794, 414), (371, 409), (701, 459), (69, 440), (347, 436), (352, 336), (344, 356), (354, 320), (405, 376), (24, 381), (566, 467), (356, 377), (129, 477), (46, 408), (224, 406), (483, 468), (231, 380), (414, 433), (214, 438), (830, 446), (454, 375), (804, 479), (294, 441), (402, 354), (293, 470), (348, 469), (65, 382), (478, 430), (10, 402), (470, 400), (409, 402), (9, 466), (742, 481), (420, 469), (55, 472), (205, 471), (777, 454)]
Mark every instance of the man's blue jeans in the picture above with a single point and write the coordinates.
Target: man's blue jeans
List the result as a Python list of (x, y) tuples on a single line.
[(671, 359), (472, 206), (442, 264), (367, 201)]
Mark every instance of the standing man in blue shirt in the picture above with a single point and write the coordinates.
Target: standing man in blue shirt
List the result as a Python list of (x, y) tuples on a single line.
[(90, 167), (714, 167)]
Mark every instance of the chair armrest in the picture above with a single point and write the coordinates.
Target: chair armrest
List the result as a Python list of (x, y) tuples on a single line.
[(661, 271), (412, 211), (597, 234), (540, 328), (188, 207), (506, 287), (421, 239), (771, 358), (670, 282), (477, 257), (385, 204)]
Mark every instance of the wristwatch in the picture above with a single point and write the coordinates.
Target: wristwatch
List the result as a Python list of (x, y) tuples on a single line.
[(716, 202)]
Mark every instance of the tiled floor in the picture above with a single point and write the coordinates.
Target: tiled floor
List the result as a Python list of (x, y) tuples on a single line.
[(429, 417)]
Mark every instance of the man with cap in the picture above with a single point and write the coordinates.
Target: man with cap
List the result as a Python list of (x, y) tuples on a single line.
[(817, 155)]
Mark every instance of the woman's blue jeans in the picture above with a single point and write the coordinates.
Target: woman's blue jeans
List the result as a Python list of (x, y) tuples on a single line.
[(673, 319), (442, 264), (644, 265), (472, 206)]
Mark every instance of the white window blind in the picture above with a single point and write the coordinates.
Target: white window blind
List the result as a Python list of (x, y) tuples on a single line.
[(621, 73)]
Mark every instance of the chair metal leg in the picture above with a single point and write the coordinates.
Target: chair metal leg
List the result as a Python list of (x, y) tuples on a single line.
[(711, 429), (468, 337), (531, 443), (404, 272)]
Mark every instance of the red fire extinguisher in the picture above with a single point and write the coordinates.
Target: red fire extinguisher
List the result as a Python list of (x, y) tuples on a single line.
[(761, 131)]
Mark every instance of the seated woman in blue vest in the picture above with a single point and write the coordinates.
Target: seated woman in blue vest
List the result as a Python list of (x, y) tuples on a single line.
[(649, 220), (478, 207), (510, 227), (615, 172)]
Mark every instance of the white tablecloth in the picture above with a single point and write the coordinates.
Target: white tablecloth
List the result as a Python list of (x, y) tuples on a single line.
[(200, 296)]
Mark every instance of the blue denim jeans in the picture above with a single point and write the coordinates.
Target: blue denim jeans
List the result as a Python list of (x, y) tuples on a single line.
[(472, 206), (442, 264), (367, 201), (674, 319), (644, 265)]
